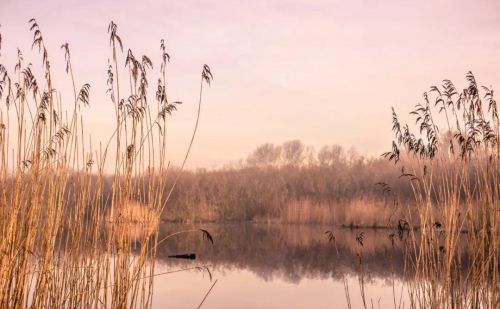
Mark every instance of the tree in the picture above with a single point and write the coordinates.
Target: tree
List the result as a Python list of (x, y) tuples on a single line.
[(354, 158), (293, 153), (265, 155), (331, 155)]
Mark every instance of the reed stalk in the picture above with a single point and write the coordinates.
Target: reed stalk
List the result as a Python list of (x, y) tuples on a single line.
[(66, 239)]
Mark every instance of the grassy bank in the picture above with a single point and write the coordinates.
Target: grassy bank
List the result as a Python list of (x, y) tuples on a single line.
[(340, 193)]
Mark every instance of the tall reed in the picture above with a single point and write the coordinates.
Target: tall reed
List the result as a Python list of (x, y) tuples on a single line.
[(65, 241), (456, 186)]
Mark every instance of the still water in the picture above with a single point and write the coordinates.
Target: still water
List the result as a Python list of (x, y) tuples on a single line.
[(280, 266)]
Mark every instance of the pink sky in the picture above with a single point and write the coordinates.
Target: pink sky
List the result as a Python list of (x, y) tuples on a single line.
[(321, 71)]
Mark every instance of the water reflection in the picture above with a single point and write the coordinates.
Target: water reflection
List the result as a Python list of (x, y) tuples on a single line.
[(275, 266), (290, 252)]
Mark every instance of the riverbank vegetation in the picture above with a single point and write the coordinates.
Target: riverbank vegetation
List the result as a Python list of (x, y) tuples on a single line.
[(66, 243), (291, 186), (332, 186), (456, 191)]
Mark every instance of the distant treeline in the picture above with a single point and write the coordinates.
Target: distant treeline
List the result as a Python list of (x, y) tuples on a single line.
[(292, 183), (288, 183)]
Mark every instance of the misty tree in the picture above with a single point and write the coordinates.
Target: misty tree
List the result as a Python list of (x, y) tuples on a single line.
[(265, 155), (293, 153), (310, 156), (331, 155), (354, 158)]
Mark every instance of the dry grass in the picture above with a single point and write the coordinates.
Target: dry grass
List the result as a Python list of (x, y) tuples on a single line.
[(66, 240), (456, 185), (306, 211), (374, 213), (353, 213), (315, 193), (135, 212)]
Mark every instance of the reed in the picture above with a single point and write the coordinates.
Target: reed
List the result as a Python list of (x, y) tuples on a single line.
[(340, 192), (456, 187), (66, 241)]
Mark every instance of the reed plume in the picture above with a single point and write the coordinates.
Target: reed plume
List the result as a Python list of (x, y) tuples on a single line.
[(66, 239), (454, 172)]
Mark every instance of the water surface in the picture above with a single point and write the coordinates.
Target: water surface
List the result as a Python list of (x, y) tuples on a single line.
[(280, 266)]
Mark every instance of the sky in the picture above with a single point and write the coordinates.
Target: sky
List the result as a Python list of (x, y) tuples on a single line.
[(324, 72)]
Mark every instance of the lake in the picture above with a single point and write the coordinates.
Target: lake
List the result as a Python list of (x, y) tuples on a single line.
[(280, 266)]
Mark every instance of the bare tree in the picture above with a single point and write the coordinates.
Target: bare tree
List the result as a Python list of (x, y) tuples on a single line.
[(310, 156), (354, 158), (331, 155), (265, 155), (293, 153)]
